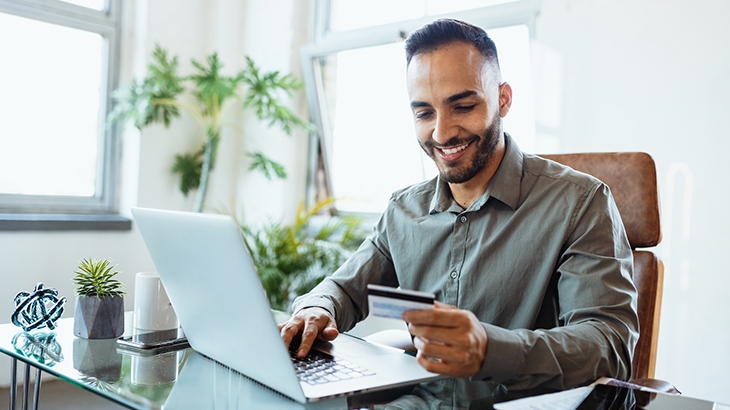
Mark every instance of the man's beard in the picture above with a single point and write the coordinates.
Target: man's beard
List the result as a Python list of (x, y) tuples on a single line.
[(486, 145)]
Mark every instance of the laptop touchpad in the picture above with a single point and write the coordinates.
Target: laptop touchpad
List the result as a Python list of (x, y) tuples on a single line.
[(348, 347)]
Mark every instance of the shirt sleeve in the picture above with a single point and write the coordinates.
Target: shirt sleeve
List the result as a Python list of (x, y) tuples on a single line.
[(344, 294), (598, 324)]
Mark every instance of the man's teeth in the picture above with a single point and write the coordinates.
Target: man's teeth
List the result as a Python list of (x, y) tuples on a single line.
[(449, 151)]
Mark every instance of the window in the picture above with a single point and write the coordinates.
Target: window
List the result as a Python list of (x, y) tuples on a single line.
[(355, 75), (57, 154)]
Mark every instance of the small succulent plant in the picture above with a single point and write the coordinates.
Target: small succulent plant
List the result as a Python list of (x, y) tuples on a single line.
[(95, 277)]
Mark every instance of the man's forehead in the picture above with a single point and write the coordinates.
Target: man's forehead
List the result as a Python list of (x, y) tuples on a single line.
[(455, 66), (454, 53)]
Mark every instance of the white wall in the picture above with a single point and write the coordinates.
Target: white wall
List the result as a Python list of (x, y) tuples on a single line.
[(190, 29), (652, 75)]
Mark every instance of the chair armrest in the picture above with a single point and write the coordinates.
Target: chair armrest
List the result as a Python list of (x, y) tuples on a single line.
[(397, 338), (659, 385)]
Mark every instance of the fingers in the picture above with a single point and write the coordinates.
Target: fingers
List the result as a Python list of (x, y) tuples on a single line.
[(449, 340), (442, 305), (310, 323), (329, 333), (290, 329), (441, 315), (310, 332)]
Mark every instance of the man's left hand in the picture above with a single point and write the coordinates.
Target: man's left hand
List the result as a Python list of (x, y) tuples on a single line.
[(450, 341)]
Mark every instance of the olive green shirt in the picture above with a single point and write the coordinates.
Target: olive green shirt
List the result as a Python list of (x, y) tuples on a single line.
[(542, 259)]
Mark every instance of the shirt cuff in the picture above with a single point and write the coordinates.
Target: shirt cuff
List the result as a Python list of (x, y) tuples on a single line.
[(308, 301), (504, 355)]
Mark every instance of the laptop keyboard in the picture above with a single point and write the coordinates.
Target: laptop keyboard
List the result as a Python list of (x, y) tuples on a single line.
[(318, 368)]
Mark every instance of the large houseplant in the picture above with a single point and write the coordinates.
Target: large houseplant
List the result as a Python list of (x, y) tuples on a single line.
[(208, 96), (291, 259), (99, 312)]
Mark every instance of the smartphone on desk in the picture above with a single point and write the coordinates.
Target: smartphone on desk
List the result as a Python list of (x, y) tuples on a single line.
[(155, 341)]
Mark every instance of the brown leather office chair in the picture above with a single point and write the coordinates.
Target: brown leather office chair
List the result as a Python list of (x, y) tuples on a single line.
[(632, 179)]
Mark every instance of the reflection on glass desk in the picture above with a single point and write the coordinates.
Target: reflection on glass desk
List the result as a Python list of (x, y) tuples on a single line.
[(184, 379), (620, 398), (181, 379)]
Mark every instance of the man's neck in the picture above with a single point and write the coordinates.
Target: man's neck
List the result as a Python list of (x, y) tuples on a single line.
[(467, 192)]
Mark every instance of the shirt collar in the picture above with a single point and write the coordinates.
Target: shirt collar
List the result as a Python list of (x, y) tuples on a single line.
[(504, 186)]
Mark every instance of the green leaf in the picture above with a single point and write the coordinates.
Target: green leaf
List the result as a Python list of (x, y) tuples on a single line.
[(95, 277), (189, 166), (266, 166), (264, 94), (212, 88), (140, 102), (162, 82)]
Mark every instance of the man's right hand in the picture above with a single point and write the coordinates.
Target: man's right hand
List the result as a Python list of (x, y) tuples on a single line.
[(311, 323)]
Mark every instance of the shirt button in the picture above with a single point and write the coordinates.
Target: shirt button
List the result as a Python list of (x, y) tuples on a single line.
[(453, 274), (463, 219)]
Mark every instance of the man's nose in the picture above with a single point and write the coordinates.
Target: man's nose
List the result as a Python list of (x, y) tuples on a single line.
[(444, 130)]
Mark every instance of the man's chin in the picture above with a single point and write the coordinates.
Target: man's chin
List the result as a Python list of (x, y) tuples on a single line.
[(454, 176)]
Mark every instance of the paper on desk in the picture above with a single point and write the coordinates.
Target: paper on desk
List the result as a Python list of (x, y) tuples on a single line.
[(564, 400)]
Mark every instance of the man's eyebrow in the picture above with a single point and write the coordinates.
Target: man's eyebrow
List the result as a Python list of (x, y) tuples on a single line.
[(460, 95), (419, 104), (449, 100)]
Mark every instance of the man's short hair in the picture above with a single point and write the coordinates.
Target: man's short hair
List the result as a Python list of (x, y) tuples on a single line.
[(446, 31)]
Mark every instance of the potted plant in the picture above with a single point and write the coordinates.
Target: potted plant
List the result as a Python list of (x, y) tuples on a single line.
[(292, 259), (207, 96), (99, 312)]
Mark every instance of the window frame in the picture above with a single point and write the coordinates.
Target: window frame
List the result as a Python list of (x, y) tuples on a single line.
[(521, 12), (19, 211)]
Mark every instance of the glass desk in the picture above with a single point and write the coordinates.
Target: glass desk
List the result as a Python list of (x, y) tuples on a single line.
[(184, 379), (181, 379)]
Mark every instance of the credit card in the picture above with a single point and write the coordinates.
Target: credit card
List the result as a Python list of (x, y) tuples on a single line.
[(392, 302)]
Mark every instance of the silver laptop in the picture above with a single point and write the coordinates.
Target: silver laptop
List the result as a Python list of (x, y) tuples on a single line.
[(213, 286)]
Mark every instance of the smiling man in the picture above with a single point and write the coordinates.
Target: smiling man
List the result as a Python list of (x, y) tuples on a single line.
[(458, 100), (528, 259)]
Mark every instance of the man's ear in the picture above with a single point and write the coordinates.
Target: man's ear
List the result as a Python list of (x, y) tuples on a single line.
[(505, 99)]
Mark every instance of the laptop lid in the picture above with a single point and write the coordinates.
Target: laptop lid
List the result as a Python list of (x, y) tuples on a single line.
[(215, 291)]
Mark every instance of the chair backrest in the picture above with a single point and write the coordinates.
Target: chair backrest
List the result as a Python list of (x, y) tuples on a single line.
[(631, 176)]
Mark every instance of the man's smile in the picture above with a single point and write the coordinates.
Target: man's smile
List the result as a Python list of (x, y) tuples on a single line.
[(453, 152)]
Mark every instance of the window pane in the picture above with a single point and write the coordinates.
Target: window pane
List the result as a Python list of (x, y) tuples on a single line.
[(435, 7), (374, 150), (513, 47), (92, 4), (50, 100), (350, 15)]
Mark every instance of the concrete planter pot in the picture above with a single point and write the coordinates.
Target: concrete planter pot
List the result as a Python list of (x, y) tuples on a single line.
[(96, 318), (98, 359)]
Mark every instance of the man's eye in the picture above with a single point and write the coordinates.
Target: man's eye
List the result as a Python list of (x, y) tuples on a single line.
[(465, 108), (422, 115)]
